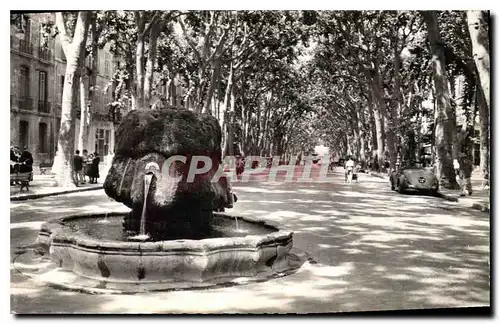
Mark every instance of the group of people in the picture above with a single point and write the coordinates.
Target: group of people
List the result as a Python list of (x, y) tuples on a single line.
[(20, 161), (85, 165)]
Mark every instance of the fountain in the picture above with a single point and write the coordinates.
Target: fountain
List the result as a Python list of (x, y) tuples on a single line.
[(176, 235)]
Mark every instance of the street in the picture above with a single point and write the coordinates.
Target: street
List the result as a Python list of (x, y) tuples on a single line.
[(370, 249)]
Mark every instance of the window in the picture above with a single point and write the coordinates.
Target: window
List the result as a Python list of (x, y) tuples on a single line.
[(61, 82), (27, 29), (106, 142), (42, 86), (42, 137), (23, 134), (24, 82), (100, 143)]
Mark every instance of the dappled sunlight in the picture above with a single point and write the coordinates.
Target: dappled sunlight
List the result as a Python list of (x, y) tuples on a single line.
[(373, 249), (262, 190), (263, 201), (30, 225)]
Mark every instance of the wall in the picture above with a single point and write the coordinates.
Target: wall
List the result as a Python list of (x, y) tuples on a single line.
[(55, 67)]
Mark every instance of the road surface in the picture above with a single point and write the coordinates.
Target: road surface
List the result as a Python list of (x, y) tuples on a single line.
[(372, 249)]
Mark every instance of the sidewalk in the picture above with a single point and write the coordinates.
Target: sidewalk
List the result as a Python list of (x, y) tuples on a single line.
[(480, 198), (45, 185)]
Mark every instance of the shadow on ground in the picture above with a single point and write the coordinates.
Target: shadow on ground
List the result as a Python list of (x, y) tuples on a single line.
[(375, 250)]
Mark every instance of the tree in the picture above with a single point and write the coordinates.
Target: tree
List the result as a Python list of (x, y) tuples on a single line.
[(443, 114), (478, 22), (73, 45)]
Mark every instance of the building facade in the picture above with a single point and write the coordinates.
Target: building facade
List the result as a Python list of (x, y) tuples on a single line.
[(37, 78)]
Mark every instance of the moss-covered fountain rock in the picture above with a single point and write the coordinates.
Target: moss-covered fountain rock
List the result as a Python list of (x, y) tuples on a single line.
[(184, 239), (175, 207)]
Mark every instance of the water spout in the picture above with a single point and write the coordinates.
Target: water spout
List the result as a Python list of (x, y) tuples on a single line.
[(147, 183), (236, 220), (151, 170), (105, 220)]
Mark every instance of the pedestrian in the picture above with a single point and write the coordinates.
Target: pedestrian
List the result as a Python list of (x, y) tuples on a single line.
[(240, 166), (88, 171), (94, 168), (85, 157), (349, 169), (77, 168)]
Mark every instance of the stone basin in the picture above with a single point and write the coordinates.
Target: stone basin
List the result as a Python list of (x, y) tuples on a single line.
[(258, 250)]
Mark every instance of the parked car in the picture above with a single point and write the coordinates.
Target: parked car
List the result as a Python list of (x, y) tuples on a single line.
[(414, 179)]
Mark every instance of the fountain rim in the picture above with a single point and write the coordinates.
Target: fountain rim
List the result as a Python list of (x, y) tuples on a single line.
[(60, 233)]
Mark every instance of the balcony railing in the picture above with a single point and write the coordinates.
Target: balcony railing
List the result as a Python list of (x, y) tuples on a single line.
[(44, 106), (25, 47), (44, 54), (26, 103)]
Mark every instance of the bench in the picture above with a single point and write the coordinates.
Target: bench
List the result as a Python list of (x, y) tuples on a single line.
[(23, 179)]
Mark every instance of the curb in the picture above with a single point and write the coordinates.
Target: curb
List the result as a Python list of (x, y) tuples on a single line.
[(55, 193), (481, 207), (448, 197), (377, 175)]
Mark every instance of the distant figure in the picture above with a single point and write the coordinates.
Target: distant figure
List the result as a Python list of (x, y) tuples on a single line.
[(77, 168), (240, 166), (349, 169), (26, 161), (94, 168)]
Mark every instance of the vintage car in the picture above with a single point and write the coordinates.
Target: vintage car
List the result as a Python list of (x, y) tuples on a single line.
[(414, 179)]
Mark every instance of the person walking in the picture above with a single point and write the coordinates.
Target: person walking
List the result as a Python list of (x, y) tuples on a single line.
[(77, 168), (94, 168), (349, 169)]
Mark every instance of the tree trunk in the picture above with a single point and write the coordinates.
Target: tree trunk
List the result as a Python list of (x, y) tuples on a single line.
[(373, 130), (361, 136), (211, 88), (139, 64), (93, 73), (84, 110), (62, 166), (230, 122), (478, 22), (443, 115), (379, 125), (151, 61), (484, 138), (226, 118), (390, 118), (201, 88), (455, 145)]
